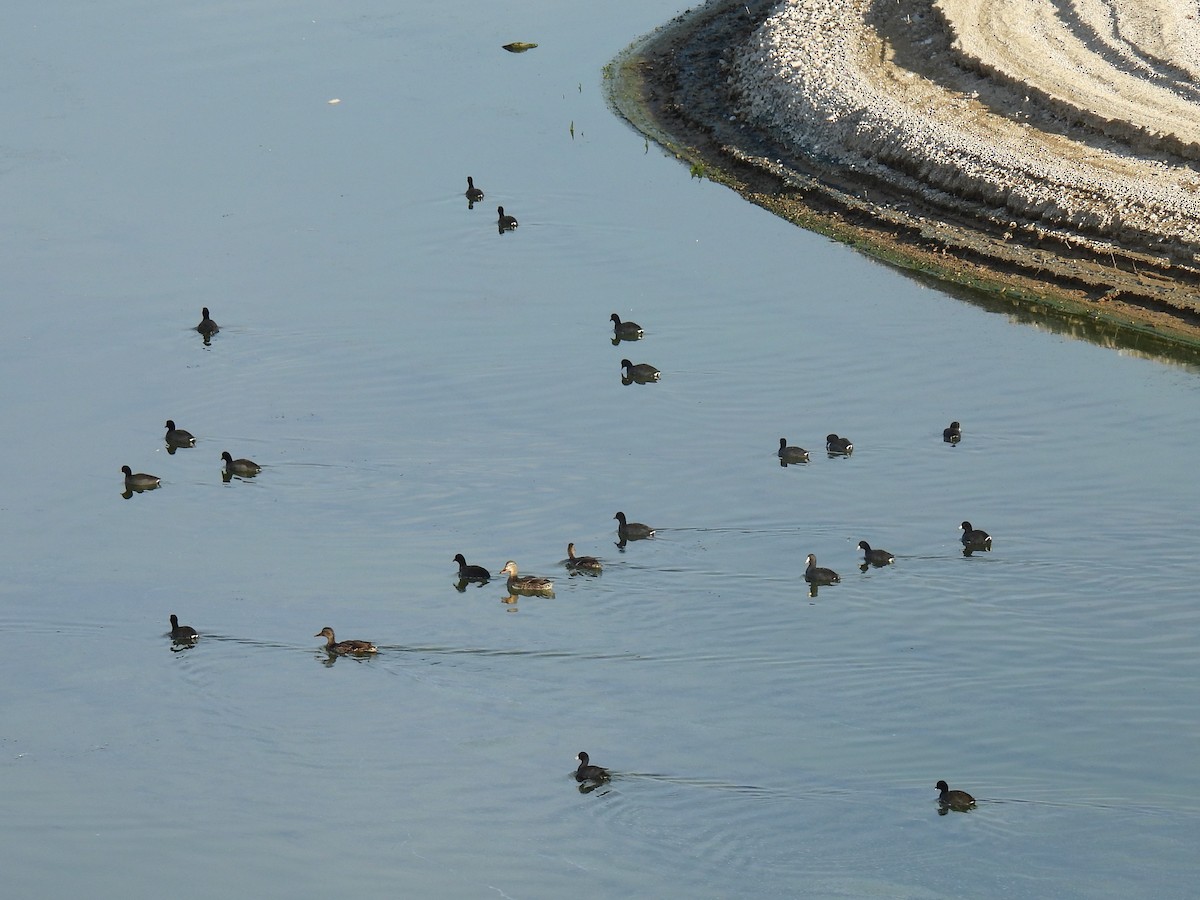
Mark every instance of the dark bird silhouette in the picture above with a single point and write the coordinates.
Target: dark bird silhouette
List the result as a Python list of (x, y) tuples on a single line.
[(959, 800), (814, 574), (183, 634), (470, 573), (587, 772)]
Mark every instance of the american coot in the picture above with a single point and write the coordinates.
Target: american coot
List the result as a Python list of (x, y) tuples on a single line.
[(641, 372), (505, 223), (587, 772), (473, 194), (875, 557), (587, 564), (975, 537), (333, 645), (626, 331), (632, 531), (183, 634), (245, 467), (791, 454), (960, 800), (470, 573), (207, 326), (835, 444), (177, 437), (141, 481), (814, 574), (525, 584), (953, 434)]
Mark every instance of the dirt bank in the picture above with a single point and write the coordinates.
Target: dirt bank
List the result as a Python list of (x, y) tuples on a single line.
[(928, 165)]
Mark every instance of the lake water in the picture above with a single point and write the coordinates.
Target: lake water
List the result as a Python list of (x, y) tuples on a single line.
[(417, 385)]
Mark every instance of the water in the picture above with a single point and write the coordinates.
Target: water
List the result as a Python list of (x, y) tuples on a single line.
[(417, 385)]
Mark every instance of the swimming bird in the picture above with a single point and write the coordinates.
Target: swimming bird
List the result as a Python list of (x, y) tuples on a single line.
[(626, 331), (959, 800), (473, 194), (506, 223), (355, 648), (632, 531), (975, 537), (177, 437), (141, 481), (207, 326), (587, 772), (953, 434), (525, 584), (470, 573), (835, 444), (641, 372), (183, 634), (246, 467), (814, 574), (788, 454), (875, 557), (582, 563)]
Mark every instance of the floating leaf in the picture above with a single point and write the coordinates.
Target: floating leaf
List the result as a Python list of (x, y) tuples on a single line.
[(519, 46)]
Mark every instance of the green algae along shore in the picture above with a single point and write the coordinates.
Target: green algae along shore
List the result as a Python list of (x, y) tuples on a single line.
[(885, 127)]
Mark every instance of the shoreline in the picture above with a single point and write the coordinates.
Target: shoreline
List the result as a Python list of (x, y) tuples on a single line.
[(1125, 296)]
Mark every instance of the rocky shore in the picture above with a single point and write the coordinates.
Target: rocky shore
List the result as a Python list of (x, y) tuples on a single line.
[(1047, 153)]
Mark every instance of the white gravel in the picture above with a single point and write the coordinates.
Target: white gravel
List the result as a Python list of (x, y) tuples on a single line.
[(1079, 117)]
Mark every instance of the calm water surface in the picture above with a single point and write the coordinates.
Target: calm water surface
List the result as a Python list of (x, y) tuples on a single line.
[(417, 385)]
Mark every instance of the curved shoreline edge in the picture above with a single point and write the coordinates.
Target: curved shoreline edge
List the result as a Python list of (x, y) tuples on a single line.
[(675, 86)]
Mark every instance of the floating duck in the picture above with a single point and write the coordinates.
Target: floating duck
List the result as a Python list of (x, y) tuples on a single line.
[(525, 584), (788, 454), (353, 648), (207, 326), (626, 331), (177, 437), (632, 531), (959, 800), (470, 573), (876, 557), (587, 772), (141, 481), (813, 574), (835, 444), (244, 467), (639, 372), (975, 537), (183, 634), (582, 563)]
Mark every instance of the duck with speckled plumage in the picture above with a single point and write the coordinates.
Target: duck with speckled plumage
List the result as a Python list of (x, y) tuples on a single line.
[(526, 584), (345, 648)]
